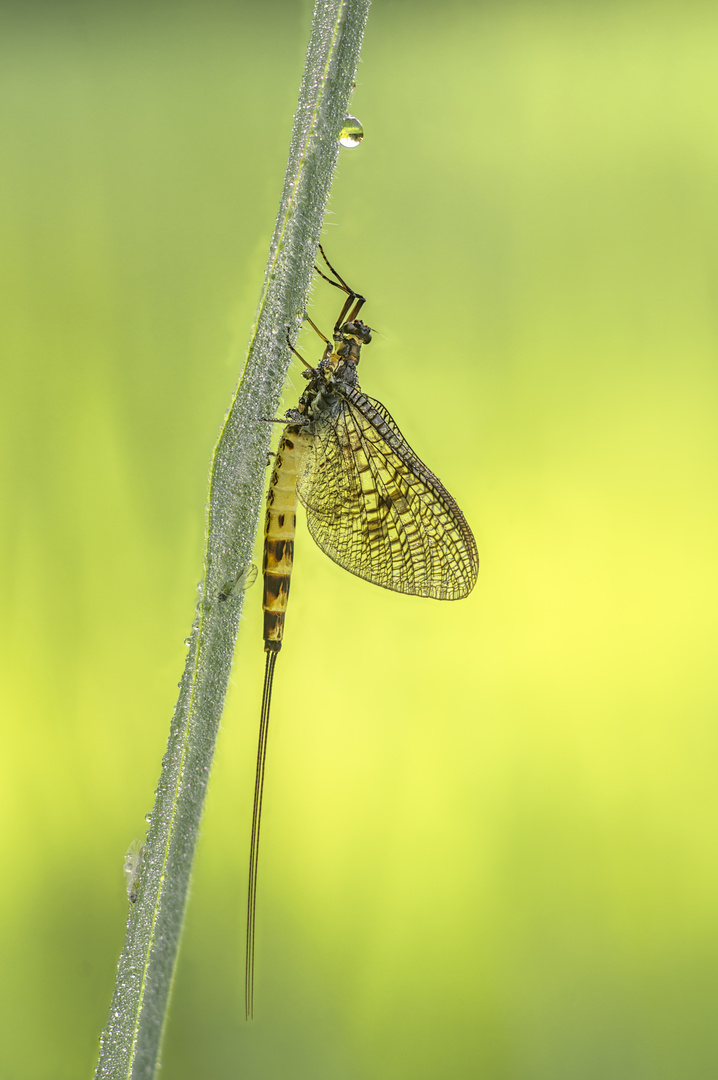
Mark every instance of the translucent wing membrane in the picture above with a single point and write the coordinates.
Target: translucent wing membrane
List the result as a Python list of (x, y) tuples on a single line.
[(374, 507)]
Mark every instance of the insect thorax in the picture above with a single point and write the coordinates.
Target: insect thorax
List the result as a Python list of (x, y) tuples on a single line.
[(326, 381)]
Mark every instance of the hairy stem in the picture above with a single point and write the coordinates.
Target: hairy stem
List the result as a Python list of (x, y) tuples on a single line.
[(130, 1044)]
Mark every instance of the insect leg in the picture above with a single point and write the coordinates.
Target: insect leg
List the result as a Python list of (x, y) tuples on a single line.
[(316, 329), (340, 283), (298, 353)]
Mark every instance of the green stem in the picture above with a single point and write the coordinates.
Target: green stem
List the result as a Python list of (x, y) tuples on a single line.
[(130, 1044)]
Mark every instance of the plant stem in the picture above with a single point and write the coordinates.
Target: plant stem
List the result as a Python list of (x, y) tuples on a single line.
[(130, 1044)]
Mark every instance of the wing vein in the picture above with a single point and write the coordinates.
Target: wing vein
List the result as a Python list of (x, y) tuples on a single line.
[(377, 510)]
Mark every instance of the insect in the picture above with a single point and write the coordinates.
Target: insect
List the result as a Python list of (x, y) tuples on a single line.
[(372, 506), (132, 868)]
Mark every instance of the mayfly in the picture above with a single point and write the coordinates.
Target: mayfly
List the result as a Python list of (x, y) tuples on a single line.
[(371, 504)]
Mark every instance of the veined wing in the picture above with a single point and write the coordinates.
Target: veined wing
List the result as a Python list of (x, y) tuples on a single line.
[(374, 507)]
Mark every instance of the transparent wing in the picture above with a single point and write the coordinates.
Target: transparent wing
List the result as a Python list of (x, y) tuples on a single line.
[(374, 507)]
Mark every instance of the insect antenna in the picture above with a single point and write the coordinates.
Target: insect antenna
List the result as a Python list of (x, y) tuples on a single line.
[(256, 821)]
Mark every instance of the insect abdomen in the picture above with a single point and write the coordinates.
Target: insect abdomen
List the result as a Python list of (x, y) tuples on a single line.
[(279, 529)]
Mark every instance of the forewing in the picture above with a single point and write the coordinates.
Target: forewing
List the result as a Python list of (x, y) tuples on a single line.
[(374, 507)]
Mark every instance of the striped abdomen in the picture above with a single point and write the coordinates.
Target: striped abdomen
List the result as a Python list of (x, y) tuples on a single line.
[(279, 529)]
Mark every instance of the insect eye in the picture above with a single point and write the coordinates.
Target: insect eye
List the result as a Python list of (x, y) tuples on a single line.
[(357, 330)]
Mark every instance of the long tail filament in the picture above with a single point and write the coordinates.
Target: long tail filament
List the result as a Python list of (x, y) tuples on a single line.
[(256, 821)]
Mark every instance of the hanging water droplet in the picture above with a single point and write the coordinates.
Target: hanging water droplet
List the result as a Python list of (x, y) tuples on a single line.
[(352, 132), (148, 815)]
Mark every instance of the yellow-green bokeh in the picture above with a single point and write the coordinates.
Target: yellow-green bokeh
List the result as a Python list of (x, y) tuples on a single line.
[(489, 847)]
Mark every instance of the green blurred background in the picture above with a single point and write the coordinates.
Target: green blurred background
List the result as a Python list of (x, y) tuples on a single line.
[(490, 837)]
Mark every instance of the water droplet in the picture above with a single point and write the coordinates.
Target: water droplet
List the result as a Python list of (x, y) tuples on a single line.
[(148, 816), (352, 132)]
